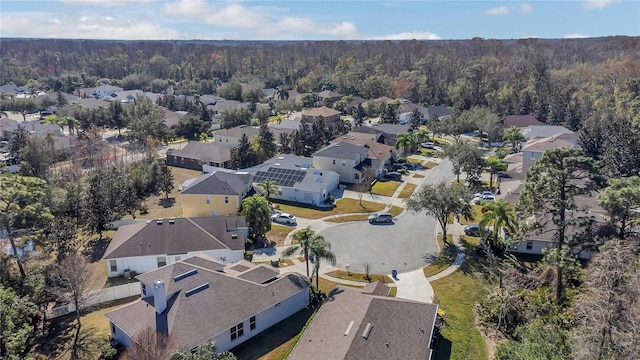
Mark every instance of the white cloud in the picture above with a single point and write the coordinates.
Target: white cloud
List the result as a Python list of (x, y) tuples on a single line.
[(502, 10), (105, 3), (575, 36), (597, 4), (42, 25), (526, 8), (417, 35)]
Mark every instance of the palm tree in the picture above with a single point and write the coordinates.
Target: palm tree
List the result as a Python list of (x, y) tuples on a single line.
[(498, 215), (321, 250), (256, 209), (269, 187), (514, 136), (494, 165), (282, 93), (72, 123), (305, 238), (420, 135), (406, 141)]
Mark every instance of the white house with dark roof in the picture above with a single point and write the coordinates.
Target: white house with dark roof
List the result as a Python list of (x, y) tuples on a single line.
[(297, 180), (351, 156), (200, 299), (146, 246), (366, 324)]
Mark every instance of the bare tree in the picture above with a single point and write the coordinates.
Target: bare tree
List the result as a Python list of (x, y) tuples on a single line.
[(364, 186), (77, 278), (150, 345), (367, 270)]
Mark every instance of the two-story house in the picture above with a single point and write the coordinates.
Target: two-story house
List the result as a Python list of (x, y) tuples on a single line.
[(200, 299), (330, 116), (216, 193), (145, 246), (348, 160), (232, 136)]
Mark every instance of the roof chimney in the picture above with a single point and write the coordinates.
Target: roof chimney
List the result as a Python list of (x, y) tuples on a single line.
[(159, 296)]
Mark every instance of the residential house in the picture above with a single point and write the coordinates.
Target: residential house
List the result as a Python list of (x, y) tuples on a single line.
[(219, 106), (199, 299), (544, 236), (544, 131), (380, 154), (90, 103), (534, 148), (232, 136), (286, 126), (195, 154), (353, 104), (297, 180), (51, 133), (217, 193), (348, 160), (172, 117), (439, 111), (406, 110), (366, 324), (326, 96), (388, 132), (102, 91), (145, 246), (521, 121), (329, 115)]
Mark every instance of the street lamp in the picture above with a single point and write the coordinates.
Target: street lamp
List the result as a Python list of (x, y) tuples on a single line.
[(348, 267)]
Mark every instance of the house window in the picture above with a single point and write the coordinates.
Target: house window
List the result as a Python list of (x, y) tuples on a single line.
[(182, 160), (226, 199), (162, 261), (113, 264), (175, 158), (208, 200), (113, 329), (144, 289), (237, 331), (252, 323), (334, 161), (356, 176), (529, 245), (344, 162)]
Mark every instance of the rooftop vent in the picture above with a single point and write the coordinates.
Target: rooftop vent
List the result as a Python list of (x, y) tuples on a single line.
[(234, 236), (185, 275), (344, 137), (196, 290), (367, 331), (346, 332), (337, 145), (159, 221), (281, 157), (277, 164)]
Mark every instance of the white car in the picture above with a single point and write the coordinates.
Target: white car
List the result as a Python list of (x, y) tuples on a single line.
[(283, 218), (478, 198)]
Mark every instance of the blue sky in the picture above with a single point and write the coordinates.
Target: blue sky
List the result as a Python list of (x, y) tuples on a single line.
[(316, 20)]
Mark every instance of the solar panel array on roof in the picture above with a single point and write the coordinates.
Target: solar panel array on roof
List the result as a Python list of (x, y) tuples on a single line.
[(283, 177)]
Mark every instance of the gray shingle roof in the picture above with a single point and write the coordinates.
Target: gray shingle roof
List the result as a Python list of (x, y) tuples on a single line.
[(205, 152), (533, 131), (190, 320), (238, 131), (343, 150), (181, 236), (219, 183), (521, 121), (400, 329)]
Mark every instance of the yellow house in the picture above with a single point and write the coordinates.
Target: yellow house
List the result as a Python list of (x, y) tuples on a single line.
[(217, 193)]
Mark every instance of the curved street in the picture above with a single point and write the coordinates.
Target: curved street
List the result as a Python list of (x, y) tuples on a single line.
[(407, 244)]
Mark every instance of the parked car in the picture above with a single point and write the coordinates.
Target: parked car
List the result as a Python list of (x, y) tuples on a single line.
[(283, 218), (474, 230), (380, 217), (503, 174), (409, 166), (428, 145), (479, 197), (398, 166), (393, 176)]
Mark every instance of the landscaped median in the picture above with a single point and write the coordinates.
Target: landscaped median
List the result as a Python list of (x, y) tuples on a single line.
[(394, 211), (444, 260), (343, 206)]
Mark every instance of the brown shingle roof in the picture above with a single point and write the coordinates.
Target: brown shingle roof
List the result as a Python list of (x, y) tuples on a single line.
[(521, 121), (321, 111), (181, 236), (376, 150), (196, 318), (542, 144), (400, 329)]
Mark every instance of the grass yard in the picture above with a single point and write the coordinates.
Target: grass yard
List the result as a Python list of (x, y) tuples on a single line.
[(278, 233), (418, 176), (393, 291), (157, 207), (458, 294), (407, 190), (476, 211), (414, 161), (355, 276), (343, 206), (394, 211), (386, 188), (445, 258), (430, 164)]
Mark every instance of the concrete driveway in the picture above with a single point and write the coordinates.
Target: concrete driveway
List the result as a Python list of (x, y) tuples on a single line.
[(407, 244)]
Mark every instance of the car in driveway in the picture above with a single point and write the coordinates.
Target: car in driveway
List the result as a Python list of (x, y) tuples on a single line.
[(380, 217), (474, 230), (283, 218), (393, 176), (428, 145)]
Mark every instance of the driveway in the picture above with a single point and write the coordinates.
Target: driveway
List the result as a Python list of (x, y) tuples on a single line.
[(407, 244)]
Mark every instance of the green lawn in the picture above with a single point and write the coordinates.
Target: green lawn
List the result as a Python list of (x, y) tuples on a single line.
[(458, 294), (414, 161), (445, 259), (418, 176), (407, 190), (343, 206), (476, 211), (386, 188), (355, 276), (430, 164)]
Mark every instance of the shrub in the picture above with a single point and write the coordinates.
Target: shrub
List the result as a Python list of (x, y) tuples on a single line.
[(248, 255)]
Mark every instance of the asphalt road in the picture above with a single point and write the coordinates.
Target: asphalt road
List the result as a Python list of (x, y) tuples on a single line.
[(407, 244)]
